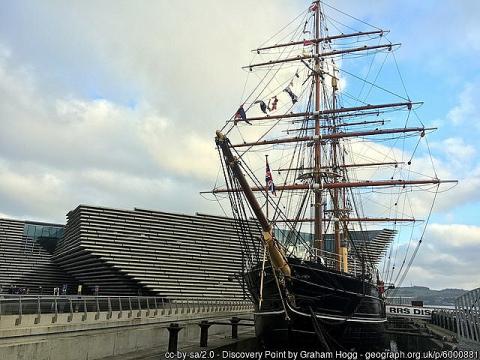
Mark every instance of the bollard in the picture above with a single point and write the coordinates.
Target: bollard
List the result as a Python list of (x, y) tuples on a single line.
[(173, 330), (85, 309), (97, 314), (120, 310), (18, 320), (70, 316), (234, 321), (55, 317), (39, 312), (204, 325)]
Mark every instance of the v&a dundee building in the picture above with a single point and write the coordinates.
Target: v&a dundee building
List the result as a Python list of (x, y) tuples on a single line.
[(107, 251), (123, 252)]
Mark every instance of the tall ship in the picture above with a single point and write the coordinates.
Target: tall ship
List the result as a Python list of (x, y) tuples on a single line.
[(319, 171)]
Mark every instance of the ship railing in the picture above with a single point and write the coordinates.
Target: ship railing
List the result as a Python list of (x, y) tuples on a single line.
[(325, 257), (121, 306), (331, 260), (398, 300), (467, 309)]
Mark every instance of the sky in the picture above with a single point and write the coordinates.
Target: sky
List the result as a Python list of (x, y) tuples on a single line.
[(116, 103)]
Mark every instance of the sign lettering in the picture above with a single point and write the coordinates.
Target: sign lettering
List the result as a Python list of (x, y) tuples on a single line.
[(408, 311)]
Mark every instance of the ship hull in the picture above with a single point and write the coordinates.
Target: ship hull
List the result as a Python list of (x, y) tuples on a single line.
[(317, 305)]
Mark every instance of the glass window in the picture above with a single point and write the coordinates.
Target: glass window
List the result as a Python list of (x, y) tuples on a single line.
[(44, 235)]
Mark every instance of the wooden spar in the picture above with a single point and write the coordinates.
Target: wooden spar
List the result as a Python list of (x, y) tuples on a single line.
[(320, 113), (338, 135), (365, 219), (396, 163), (373, 183), (382, 122), (276, 256), (346, 115), (324, 39), (322, 55)]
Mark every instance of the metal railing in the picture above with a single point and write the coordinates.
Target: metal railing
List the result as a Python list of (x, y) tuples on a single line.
[(327, 258), (398, 300), (333, 260), (128, 306), (445, 318), (467, 308)]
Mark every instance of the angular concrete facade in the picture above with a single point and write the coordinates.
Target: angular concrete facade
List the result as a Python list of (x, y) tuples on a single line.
[(26, 257), (150, 252)]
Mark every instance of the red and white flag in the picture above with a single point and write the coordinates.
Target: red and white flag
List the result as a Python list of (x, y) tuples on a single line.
[(269, 179)]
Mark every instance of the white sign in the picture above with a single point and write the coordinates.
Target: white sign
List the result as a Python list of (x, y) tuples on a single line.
[(409, 311)]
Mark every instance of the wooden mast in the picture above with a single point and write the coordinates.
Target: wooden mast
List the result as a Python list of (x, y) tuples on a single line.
[(339, 250), (325, 178), (317, 162), (277, 258)]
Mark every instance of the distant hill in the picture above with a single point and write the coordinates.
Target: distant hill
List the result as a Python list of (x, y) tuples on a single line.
[(445, 297)]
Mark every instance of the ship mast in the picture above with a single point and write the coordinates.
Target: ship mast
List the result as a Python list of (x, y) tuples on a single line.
[(318, 198), (340, 251), (326, 176)]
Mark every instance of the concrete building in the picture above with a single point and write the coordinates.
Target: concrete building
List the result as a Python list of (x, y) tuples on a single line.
[(125, 252), (26, 258), (152, 253)]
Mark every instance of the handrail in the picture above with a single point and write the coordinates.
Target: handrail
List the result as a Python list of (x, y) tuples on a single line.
[(134, 306), (467, 308), (331, 259)]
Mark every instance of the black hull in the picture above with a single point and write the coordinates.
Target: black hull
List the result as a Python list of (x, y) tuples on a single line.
[(318, 302)]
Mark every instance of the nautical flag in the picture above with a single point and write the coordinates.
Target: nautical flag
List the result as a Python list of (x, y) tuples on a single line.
[(272, 104), (269, 179), (289, 91), (263, 106), (240, 115), (313, 7), (307, 42), (305, 31)]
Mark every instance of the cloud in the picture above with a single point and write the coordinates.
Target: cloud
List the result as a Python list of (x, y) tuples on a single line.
[(185, 69), (447, 246), (58, 152), (456, 156), (456, 149), (467, 109), (119, 108)]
